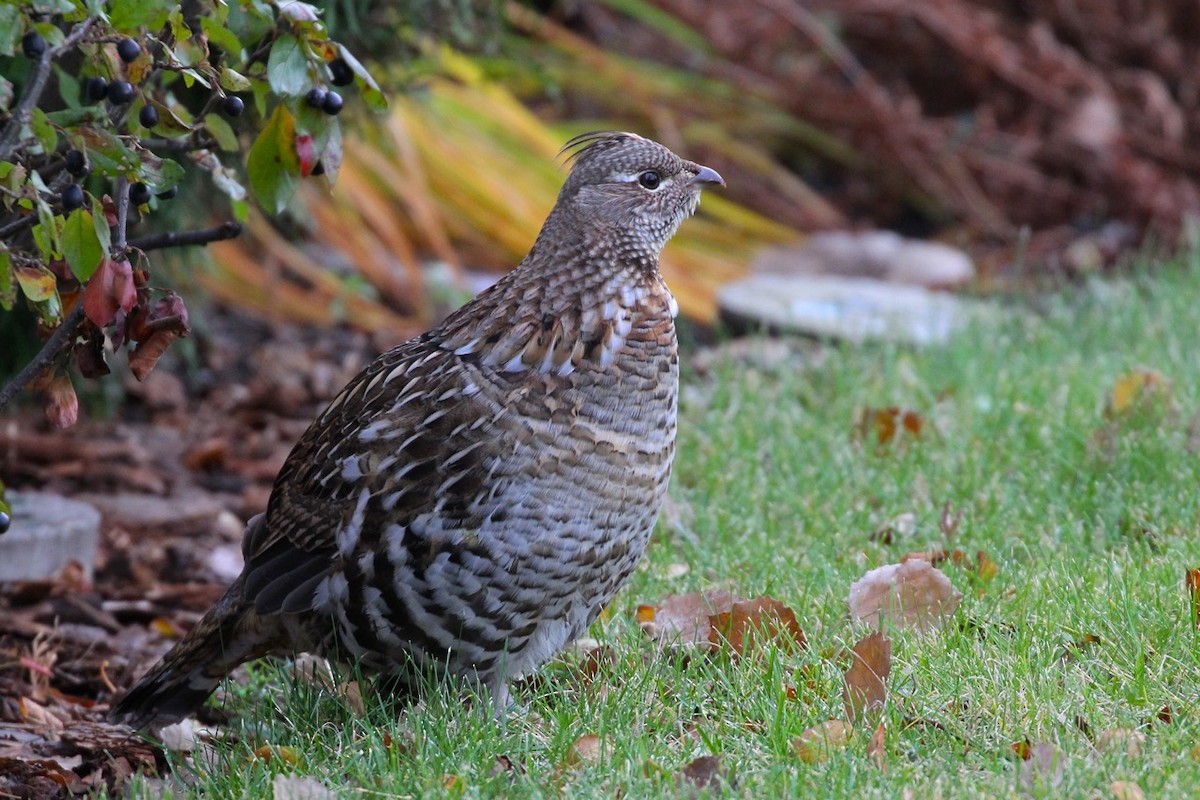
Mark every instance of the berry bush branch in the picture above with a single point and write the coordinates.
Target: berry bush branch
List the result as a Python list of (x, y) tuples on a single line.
[(33, 92)]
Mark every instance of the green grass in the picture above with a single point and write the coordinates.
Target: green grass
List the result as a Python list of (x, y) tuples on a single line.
[(1091, 522)]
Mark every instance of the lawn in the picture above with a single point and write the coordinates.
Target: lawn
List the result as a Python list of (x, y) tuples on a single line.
[(1079, 488)]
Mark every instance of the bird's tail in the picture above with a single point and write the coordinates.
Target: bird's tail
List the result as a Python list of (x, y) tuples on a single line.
[(228, 635)]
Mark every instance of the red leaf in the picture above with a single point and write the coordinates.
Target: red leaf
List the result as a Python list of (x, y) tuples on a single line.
[(110, 289), (306, 152)]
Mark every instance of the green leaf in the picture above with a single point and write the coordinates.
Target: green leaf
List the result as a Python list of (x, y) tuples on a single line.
[(159, 174), (100, 223), (10, 29), (109, 155), (131, 16), (8, 288), (370, 89), (287, 66), (68, 87), (45, 133), (222, 132), (233, 81), (81, 246), (169, 123), (222, 37), (272, 166)]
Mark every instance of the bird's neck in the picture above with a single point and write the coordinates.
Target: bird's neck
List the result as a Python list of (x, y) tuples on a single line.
[(570, 303)]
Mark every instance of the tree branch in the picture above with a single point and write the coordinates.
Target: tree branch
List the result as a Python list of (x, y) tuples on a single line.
[(50, 351), (159, 241), (33, 91)]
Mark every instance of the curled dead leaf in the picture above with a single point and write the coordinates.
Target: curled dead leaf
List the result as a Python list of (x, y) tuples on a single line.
[(748, 623), (1139, 388), (876, 748), (913, 594), (702, 774), (1043, 769), (883, 425), (584, 751), (1124, 740), (1126, 790), (685, 619), (1192, 582), (291, 787), (820, 742), (865, 688)]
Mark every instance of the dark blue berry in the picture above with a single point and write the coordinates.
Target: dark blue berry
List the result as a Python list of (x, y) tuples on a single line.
[(341, 73), (148, 116), (169, 194), (128, 50), (139, 194), (72, 197), (120, 92), (33, 45), (75, 162), (96, 88), (333, 103), (315, 97), (233, 105)]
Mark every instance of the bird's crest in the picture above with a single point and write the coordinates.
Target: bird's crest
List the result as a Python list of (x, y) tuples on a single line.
[(590, 143)]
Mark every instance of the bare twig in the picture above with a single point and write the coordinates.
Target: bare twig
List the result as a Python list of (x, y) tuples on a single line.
[(58, 342), (33, 90), (159, 241)]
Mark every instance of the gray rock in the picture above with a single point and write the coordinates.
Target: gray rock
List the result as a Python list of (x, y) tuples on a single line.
[(883, 255), (47, 532), (854, 309)]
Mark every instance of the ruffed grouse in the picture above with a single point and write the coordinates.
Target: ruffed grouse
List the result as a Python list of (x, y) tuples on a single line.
[(473, 499)]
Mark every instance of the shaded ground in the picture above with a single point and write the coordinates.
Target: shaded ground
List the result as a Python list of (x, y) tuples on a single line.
[(174, 484)]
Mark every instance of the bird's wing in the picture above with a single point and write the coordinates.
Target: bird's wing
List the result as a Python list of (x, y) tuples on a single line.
[(401, 440)]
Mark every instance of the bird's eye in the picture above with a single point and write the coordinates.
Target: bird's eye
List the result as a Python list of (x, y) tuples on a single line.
[(650, 179)]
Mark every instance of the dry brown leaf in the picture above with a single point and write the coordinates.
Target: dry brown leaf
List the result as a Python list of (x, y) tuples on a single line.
[(914, 594), (1138, 388), (702, 774), (1076, 647), (1192, 580), (866, 680), (883, 425), (1126, 790), (290, 787), (280, 753), (1124, 740), (1043, 769), (876, 748), (749, 620), (820, 742), (685, 619), (584, 751)]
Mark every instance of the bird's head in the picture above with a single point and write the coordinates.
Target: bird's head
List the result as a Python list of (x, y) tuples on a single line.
[(629, 191)]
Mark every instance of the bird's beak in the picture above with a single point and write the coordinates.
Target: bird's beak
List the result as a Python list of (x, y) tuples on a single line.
[(707, 176)]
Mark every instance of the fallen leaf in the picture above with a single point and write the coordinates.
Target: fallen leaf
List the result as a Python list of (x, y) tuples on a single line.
[(685, 619), (884, 424), (1043, 769), (1193, 586), (703, 773), (866, 681), (1126, 790), (948, 522), (585, 750), (900, 527), (747, 620), (913, 594), (1124, 740), (820, 742), (1075, 648), (876, 747), (290, 787), (1138, 388), (281, 753)]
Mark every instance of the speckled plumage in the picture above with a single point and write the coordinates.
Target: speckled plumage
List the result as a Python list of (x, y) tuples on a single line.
[(474, 498)]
